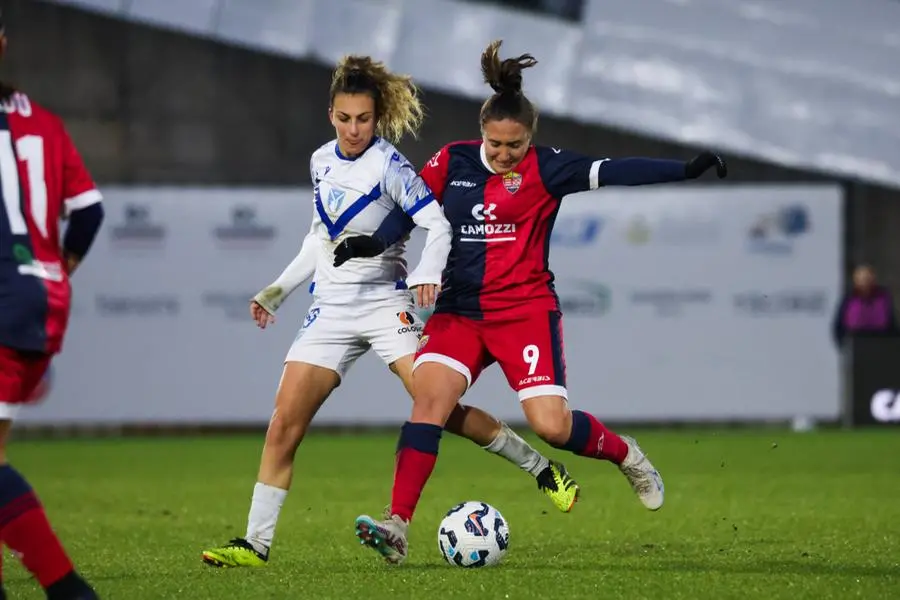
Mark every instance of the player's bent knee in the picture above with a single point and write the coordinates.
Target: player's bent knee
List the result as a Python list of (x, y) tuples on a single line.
[(283, 436), (550, 418), (554, 432)]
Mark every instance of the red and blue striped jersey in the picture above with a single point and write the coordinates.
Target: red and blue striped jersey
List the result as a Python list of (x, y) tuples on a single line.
[(499, 259), (42, 179)]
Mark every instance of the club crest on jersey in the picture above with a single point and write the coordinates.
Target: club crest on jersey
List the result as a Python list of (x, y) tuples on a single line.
[(512, 181), (335, 200)]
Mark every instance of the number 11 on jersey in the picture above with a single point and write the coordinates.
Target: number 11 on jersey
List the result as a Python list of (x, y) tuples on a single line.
[(30, 149)]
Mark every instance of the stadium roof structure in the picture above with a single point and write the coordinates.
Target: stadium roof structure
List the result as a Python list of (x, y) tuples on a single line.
[(812, 84)]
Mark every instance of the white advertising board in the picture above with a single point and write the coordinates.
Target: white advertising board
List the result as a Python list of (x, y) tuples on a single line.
[(680, 303)]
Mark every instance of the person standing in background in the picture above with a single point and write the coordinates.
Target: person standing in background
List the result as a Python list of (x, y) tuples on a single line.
[(866, 309)]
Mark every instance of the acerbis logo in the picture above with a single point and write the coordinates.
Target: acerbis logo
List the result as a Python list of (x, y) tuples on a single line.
[(885, 406), (535, 379), (484, 213)]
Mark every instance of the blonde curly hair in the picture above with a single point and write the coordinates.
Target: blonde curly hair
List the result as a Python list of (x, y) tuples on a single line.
[(398, 109)]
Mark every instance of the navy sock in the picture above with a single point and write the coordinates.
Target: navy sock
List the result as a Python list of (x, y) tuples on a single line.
[(16, 495), (423, 437), (592, 439)]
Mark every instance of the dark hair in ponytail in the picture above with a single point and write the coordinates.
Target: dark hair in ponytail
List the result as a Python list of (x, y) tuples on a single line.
[(505, 78)]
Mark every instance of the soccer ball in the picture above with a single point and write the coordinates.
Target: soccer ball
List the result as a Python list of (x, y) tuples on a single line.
[(473, 534)]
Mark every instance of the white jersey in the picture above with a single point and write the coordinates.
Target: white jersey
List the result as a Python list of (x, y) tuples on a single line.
[(353, 197)]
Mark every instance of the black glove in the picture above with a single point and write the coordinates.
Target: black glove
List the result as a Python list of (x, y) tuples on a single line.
[(704, 161), (362, 246)]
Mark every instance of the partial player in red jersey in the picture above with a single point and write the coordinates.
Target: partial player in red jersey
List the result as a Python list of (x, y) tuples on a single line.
[(497, 302), (42, 179)]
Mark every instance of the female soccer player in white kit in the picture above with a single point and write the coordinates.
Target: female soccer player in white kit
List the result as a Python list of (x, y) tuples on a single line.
[(362, 185)]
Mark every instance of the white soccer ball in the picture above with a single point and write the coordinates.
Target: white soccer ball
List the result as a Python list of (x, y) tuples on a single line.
[(473, 534)]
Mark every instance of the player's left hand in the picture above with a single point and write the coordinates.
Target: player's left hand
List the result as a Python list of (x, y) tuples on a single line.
[(704, 161), (260, 314), (361, 246), (71, 263), (426, 294)]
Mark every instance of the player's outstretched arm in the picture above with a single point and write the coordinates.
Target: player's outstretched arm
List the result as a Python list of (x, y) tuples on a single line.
[(298, 271), (564, 172), (84, 223), (648, 171)]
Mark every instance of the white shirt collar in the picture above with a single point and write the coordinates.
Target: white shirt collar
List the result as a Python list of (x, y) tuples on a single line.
[(484, 160)]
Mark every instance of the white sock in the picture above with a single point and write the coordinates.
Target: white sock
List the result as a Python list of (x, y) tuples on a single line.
[(264, 509), (513, 448)]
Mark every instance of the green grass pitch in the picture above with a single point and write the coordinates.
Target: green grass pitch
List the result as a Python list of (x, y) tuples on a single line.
[(748, 514)]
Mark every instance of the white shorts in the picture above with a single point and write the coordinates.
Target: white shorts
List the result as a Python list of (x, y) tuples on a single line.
[(333, 337)]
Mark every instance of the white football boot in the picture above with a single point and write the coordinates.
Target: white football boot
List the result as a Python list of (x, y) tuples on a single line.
[(387, 537), (645, 480)]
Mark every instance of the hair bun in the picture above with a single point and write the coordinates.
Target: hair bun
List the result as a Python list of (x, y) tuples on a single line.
[(504, 76)]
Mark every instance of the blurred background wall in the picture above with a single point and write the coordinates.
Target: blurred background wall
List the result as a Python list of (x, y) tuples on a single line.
[(232, 94)]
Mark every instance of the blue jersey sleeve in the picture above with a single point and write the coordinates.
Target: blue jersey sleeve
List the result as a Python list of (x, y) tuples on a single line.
[(639, 171), (564, 172)]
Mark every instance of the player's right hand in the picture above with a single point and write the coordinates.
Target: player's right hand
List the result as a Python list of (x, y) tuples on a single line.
[(260, 315), (361, 246)]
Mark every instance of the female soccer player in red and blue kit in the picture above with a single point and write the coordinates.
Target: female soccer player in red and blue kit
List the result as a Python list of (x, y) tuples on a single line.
[(42, 177), (497, 302)]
